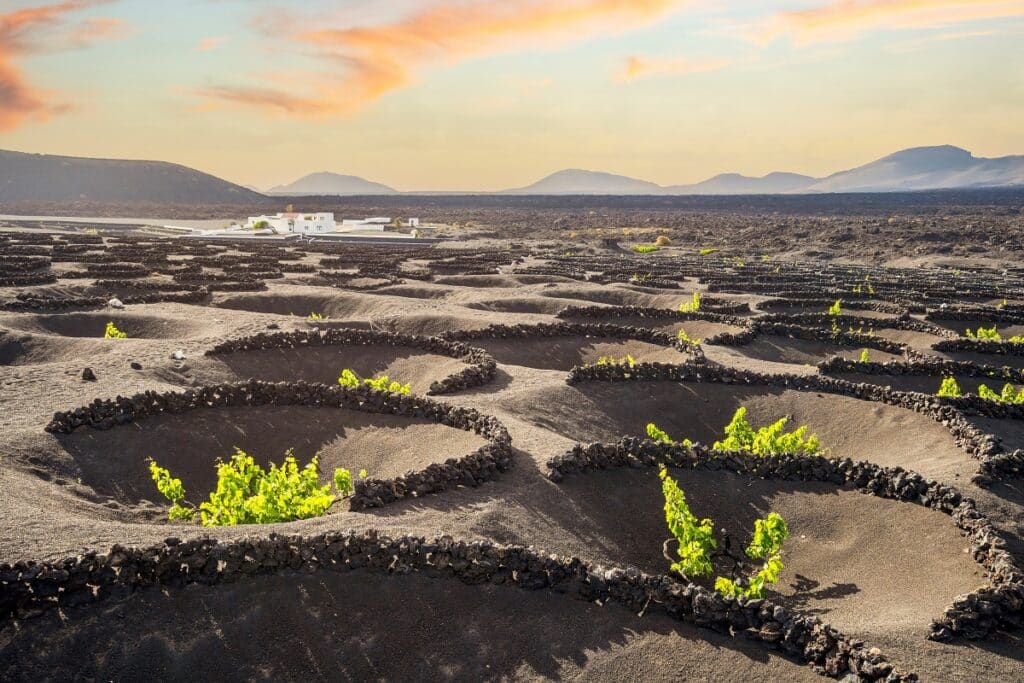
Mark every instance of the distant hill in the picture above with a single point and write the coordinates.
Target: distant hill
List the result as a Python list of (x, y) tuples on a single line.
[(734, 183), (926, 168), (920, 168), (328, 184), (47, 178), (576, 181)]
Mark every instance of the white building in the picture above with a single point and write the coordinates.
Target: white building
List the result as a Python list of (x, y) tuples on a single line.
[(302, 223)]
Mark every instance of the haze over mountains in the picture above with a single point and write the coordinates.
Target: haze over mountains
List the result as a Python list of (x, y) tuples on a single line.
[(61, 179), (325, 183)]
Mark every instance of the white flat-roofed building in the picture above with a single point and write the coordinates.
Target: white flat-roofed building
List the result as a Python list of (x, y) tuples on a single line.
[(300, 223)]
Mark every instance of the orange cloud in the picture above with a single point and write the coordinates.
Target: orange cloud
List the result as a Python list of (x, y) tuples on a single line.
[(842, 19), (375, 60), (211, 43), (22, 32), (637, 68)]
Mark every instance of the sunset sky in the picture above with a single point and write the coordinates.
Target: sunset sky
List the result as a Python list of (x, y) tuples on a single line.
[(490, 94)]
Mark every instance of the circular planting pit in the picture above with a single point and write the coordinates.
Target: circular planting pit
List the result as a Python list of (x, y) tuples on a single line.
[(324, 364), (564, 353), (847, 427), (793, 351), (363, 625), (868, 566), (302, 305), (113, 462), (618, 297), (1005, 330), (414, 291), (695, 329), (538, 305), (94, 325), (925, 384), (27, 349)]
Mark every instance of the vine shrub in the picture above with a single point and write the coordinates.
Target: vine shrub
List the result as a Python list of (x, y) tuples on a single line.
[(692, 306), (949, 388), (696, 538), (992, 334), (626, 360), (686, 339), (248, 494), (644, 248), (1009, 394), (740, 435), (381, 383), (697, 547), (865, 356), (317, 316), (113, 333)]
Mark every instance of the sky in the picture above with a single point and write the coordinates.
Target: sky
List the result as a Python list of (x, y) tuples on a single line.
[(482, 95)]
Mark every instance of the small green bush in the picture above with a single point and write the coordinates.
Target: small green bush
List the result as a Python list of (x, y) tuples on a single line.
[(992, 334), (708, 251), (741, 436), (113, 333), (949, 388), (316, 316), (248, 494), (865, 356), (381, 383), (644, 248), (836, 308), (696, 545), (626, 360), (685, 338), (1009, 394), (692, 306)]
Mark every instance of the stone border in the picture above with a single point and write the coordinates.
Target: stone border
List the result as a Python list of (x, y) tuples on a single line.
[(599, 312), (482, 364), (481, 465), (561, 329), (976, 615), (757, 327), (1000, 348), (35, 302), (977, 443), (29, 588), (845, 320)]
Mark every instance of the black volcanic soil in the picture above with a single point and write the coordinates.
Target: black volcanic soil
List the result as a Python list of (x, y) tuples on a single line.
[(875, 569)]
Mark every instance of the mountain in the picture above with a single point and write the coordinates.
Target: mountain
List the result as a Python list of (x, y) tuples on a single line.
[(734, 183), (326, 184), (926, 168), (576, 181), (47, 178)]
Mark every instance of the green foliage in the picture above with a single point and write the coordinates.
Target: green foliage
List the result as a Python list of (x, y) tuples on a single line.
[(696, 538), (693, 306), (113, 333), (172, 490), (836, 308), (949, 388), (639, 278), (644, 248), (316, 316), (865, 356), (985, 334), (656, 434), (381, 383), (697, 544), (260, 225), (683, 337), (741, 436), (1009, 394), (626, 360), (248, 494), (708, 251)]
